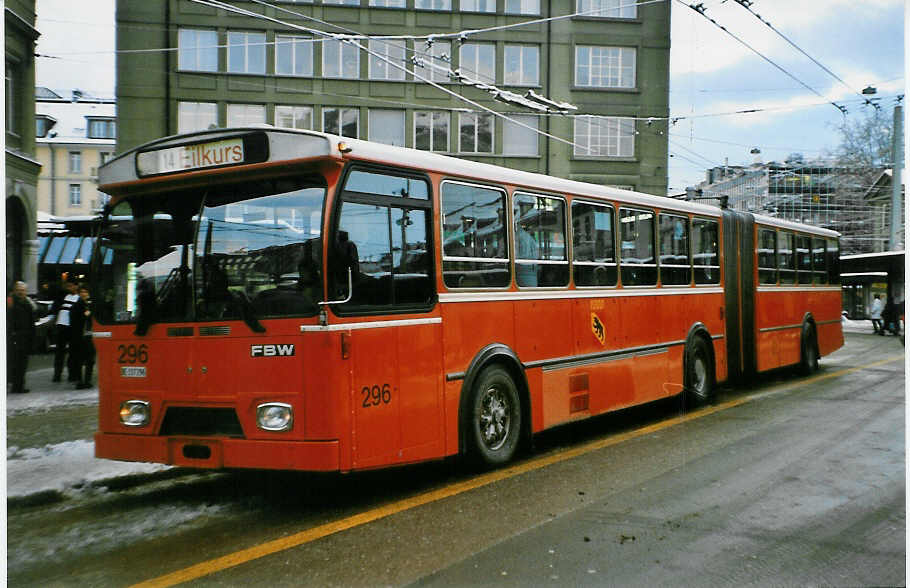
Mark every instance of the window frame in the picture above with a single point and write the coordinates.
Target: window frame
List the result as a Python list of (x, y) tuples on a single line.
[(195, 114), (473, 72), (446, 116), (764, 268), (74, 160), (340, 64), (293, 112), (247, 107), (521, 82), (196, 50), (341, 110), (819, 275), (508, 124), (718, 252), (507, 240), (607, 139), (245, 47), (426, 205), (579, 4), (654, 251), (385, 47), (477, 116), (513, 229), (613, 235), (75, 189), (378, 111), (293, 41), (791, 269), (660, 241), (605, 69)]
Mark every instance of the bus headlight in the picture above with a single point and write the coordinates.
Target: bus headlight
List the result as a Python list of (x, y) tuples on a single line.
[(135, 413), (275, 416)]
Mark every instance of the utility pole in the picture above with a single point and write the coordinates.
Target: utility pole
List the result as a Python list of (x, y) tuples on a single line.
[(897, 150)]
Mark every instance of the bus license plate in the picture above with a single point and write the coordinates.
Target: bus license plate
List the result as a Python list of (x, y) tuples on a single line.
[(132, 372)]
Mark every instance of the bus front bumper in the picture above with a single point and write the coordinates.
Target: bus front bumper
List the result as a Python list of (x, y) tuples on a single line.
[(218, 453)]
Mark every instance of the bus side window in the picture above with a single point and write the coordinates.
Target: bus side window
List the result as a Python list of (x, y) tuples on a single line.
[(786, 261), (594, 249), (541, 258), (475, 247), (675, 267), (804, 259), (705, 249), (636, 258), (833, 255), (819, 272), (767, 256)]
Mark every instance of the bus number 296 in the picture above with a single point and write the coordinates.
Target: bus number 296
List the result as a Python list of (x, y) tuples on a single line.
[(133, 354), (374, 396)]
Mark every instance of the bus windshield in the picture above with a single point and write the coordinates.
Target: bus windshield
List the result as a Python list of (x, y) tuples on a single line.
[(244, 252)]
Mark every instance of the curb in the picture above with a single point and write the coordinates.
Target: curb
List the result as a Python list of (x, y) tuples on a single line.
[(46, 497)]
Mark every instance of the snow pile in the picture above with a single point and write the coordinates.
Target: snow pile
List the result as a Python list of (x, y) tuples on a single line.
[(63, 467)]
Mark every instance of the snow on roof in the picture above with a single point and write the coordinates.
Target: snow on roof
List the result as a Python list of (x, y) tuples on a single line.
[(72, 120)]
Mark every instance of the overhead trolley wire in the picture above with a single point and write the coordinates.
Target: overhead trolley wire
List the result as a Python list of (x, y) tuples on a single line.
[(700, 9)]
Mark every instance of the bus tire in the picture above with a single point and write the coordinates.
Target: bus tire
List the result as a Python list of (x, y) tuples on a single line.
[(699, 376), (494, 424), (808, 363)]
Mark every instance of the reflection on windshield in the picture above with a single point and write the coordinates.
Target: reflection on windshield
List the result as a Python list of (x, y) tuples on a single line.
[(210, 256)]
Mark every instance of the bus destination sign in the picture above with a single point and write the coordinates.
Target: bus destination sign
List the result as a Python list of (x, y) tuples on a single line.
[(190, 157)]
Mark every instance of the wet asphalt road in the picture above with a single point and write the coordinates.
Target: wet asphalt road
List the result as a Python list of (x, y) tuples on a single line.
[(802, 485)]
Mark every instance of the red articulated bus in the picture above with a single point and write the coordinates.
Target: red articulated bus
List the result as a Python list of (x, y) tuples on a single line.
[(270, 298)]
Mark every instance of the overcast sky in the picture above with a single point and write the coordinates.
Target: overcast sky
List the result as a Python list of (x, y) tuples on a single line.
[(861, 41)]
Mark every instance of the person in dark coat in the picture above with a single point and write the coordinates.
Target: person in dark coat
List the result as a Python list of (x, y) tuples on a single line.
[(82, 348), (20, 332)]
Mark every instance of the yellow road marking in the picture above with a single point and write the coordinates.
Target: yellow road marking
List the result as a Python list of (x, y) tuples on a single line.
[(246, 555)]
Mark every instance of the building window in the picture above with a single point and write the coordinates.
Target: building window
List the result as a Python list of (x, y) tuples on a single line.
[(197, 50), (387, 126), (607, 8), (431, 130), (604, 67), (343, 2), (478, 5), (519, 140), (433, 4), (478, 61), (391, 51), (294, 117), (43, 124), (244, 115), (102, 128), (293, 56), (475, 133), (388, 3), (522, 6), (603, 136), (106, 156), (340, 60), (196, 116), (439, 61), (341, 121), (75, 162), (75, 194), (12, 101), (521, 65), (246, 52)]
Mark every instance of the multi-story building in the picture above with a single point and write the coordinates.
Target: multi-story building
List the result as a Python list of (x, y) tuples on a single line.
[(607, 58), (846, 200), (21, 167), (75, 135)]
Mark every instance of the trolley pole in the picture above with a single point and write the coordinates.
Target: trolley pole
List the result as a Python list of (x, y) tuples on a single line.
[(897, 138)]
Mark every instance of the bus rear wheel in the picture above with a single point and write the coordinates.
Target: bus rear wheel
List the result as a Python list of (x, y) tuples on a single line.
[(808, 363), (495, 417), (699, 380)]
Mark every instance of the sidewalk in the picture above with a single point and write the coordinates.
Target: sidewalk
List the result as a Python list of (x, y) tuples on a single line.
[(49, 447)]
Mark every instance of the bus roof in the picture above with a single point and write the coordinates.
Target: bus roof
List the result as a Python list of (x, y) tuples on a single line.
[(293, 144)]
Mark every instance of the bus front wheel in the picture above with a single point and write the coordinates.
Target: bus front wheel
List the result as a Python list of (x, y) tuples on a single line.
[(699, 380), (495, 417)]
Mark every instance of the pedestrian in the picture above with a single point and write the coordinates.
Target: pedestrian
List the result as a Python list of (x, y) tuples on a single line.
[(81, 346), (889, 318), (63, 333), (20, 332), (875, 313)]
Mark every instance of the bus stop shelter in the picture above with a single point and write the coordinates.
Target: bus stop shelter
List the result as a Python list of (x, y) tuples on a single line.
[(867, 274)]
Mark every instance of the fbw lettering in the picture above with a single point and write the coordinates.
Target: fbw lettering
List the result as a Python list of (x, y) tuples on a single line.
[(271, 350)]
